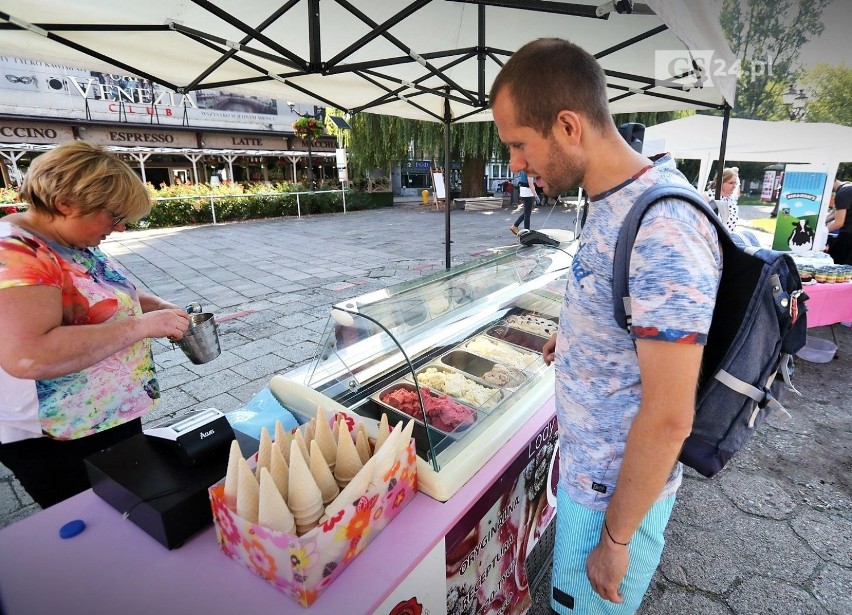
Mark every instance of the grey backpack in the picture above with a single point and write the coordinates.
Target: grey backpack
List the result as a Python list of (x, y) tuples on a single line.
[(758, 323)]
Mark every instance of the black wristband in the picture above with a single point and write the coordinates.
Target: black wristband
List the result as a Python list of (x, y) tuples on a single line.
[(608, 533)]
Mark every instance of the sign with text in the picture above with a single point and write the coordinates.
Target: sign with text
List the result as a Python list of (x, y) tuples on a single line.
[(34, 88), (798, 210), (488, 549), (138, 136), (262, 142), (34, 132)]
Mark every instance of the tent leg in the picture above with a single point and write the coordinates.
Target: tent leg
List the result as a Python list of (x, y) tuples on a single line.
[(447, 170), (725, 120)]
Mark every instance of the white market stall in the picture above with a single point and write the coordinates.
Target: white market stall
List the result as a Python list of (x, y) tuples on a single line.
[(824, 146), (432, 60)]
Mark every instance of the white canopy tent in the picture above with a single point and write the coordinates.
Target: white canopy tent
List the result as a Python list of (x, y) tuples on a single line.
[(430, 59), (696, 137)]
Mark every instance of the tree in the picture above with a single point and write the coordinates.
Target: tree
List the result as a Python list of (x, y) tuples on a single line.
[(767, 38), (380, 141), (829, 88)]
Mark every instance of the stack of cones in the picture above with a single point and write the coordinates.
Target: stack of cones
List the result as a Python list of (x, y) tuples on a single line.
[(302, 478)]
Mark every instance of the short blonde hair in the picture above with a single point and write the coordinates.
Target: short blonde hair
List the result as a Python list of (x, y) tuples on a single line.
[(730, 173), (86, 177)]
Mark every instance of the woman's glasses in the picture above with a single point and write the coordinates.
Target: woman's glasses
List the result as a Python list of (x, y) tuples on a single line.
[(116, 217)]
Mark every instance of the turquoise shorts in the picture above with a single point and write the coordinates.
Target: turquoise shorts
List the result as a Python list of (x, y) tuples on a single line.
[(578, 531)]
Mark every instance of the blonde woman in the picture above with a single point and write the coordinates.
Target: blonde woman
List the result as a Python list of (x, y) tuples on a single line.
[(728, 209), (76, 369)]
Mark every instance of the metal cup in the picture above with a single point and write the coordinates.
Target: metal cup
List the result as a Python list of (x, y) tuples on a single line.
[(200, 343)]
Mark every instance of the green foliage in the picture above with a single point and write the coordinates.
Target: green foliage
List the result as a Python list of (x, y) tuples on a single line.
[(379, 141), (829, 88), (182, 205), (767, 38)]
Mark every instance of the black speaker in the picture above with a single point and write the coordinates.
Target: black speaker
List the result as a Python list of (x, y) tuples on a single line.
[(634, 134)]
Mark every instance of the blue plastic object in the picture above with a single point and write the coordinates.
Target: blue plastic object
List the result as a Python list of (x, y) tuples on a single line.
[(71, 529), (262, 410)]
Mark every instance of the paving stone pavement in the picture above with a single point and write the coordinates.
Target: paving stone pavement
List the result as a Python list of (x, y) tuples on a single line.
[(771, 534)]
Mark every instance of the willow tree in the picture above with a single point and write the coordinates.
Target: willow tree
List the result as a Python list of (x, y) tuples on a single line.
[(380, 141)]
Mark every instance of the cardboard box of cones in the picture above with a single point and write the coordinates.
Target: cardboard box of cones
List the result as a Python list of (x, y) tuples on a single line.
[(300, 544)]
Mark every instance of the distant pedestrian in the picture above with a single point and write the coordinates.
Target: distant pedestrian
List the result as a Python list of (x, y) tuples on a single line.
[(527, 200)]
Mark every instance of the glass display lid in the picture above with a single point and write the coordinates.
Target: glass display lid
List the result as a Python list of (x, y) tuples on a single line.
[(458, 351)]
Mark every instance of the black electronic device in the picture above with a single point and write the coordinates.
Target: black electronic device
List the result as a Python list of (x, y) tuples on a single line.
[(528, 238), (156, 490)]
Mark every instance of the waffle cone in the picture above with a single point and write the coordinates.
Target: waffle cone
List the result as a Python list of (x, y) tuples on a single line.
[(263, 451), (348, 461), (384, 458), (304, 496), (384, 432), (232, 476), (299, 439), (321, 474), (248, 493), (272, 509), (325, 439), (310, 430), (282, 439), (362, 444), (280, 472)]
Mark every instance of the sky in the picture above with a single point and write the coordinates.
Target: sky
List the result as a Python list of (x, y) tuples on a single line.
[(833, 47)]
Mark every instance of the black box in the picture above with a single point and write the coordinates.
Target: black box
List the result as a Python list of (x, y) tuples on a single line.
[(155, 488)]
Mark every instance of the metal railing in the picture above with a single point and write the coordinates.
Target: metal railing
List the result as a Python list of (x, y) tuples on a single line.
[(213, 197)]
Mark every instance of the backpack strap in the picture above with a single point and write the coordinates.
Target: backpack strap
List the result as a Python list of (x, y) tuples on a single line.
[(627, 237)]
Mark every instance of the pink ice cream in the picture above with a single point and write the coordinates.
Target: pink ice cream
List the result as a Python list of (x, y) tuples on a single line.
[(444, 413)]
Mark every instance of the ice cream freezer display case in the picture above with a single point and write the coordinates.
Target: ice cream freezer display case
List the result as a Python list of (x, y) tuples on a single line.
[(460, 351)]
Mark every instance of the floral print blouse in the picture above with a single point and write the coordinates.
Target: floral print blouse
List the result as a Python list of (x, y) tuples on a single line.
[(118, 389)]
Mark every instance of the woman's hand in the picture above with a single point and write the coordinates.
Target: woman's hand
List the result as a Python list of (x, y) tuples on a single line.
[(171, 323)]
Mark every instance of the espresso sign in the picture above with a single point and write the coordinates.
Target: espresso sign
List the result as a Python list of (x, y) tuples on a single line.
[(131, 136), (33, 132)]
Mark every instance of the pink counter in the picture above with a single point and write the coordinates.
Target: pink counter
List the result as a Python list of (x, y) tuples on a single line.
[(829, 303), (114, 567)]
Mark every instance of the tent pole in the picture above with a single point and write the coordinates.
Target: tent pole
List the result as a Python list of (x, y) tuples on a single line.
[(725, 120), (447, 163)]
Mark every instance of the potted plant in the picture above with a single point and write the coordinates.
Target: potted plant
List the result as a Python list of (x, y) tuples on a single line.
[(308, 128)]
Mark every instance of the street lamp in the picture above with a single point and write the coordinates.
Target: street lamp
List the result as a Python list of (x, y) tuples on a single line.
[(795, 101), (315, 116)]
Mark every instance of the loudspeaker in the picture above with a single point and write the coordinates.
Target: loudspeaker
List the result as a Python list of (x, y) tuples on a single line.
[(634, 134)]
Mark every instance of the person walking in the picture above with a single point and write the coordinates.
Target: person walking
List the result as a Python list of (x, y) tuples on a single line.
[(624, 402), (527, 197)]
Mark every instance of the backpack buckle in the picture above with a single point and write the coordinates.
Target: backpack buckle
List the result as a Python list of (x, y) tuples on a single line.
[(794, 305)]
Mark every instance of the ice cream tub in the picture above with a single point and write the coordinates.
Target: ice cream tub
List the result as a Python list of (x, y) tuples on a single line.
[(489, 372), (501, 352), (463, 387), (448, 418), (302, 567), (532, 322), (524, 339)]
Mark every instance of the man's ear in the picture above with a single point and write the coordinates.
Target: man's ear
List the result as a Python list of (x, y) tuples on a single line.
[(569, 126)]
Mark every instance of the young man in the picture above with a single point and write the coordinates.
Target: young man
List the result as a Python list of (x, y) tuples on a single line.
[(624, 402)]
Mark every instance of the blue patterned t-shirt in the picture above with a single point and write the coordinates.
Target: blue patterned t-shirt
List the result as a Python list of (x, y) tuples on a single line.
[(674, 275)]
